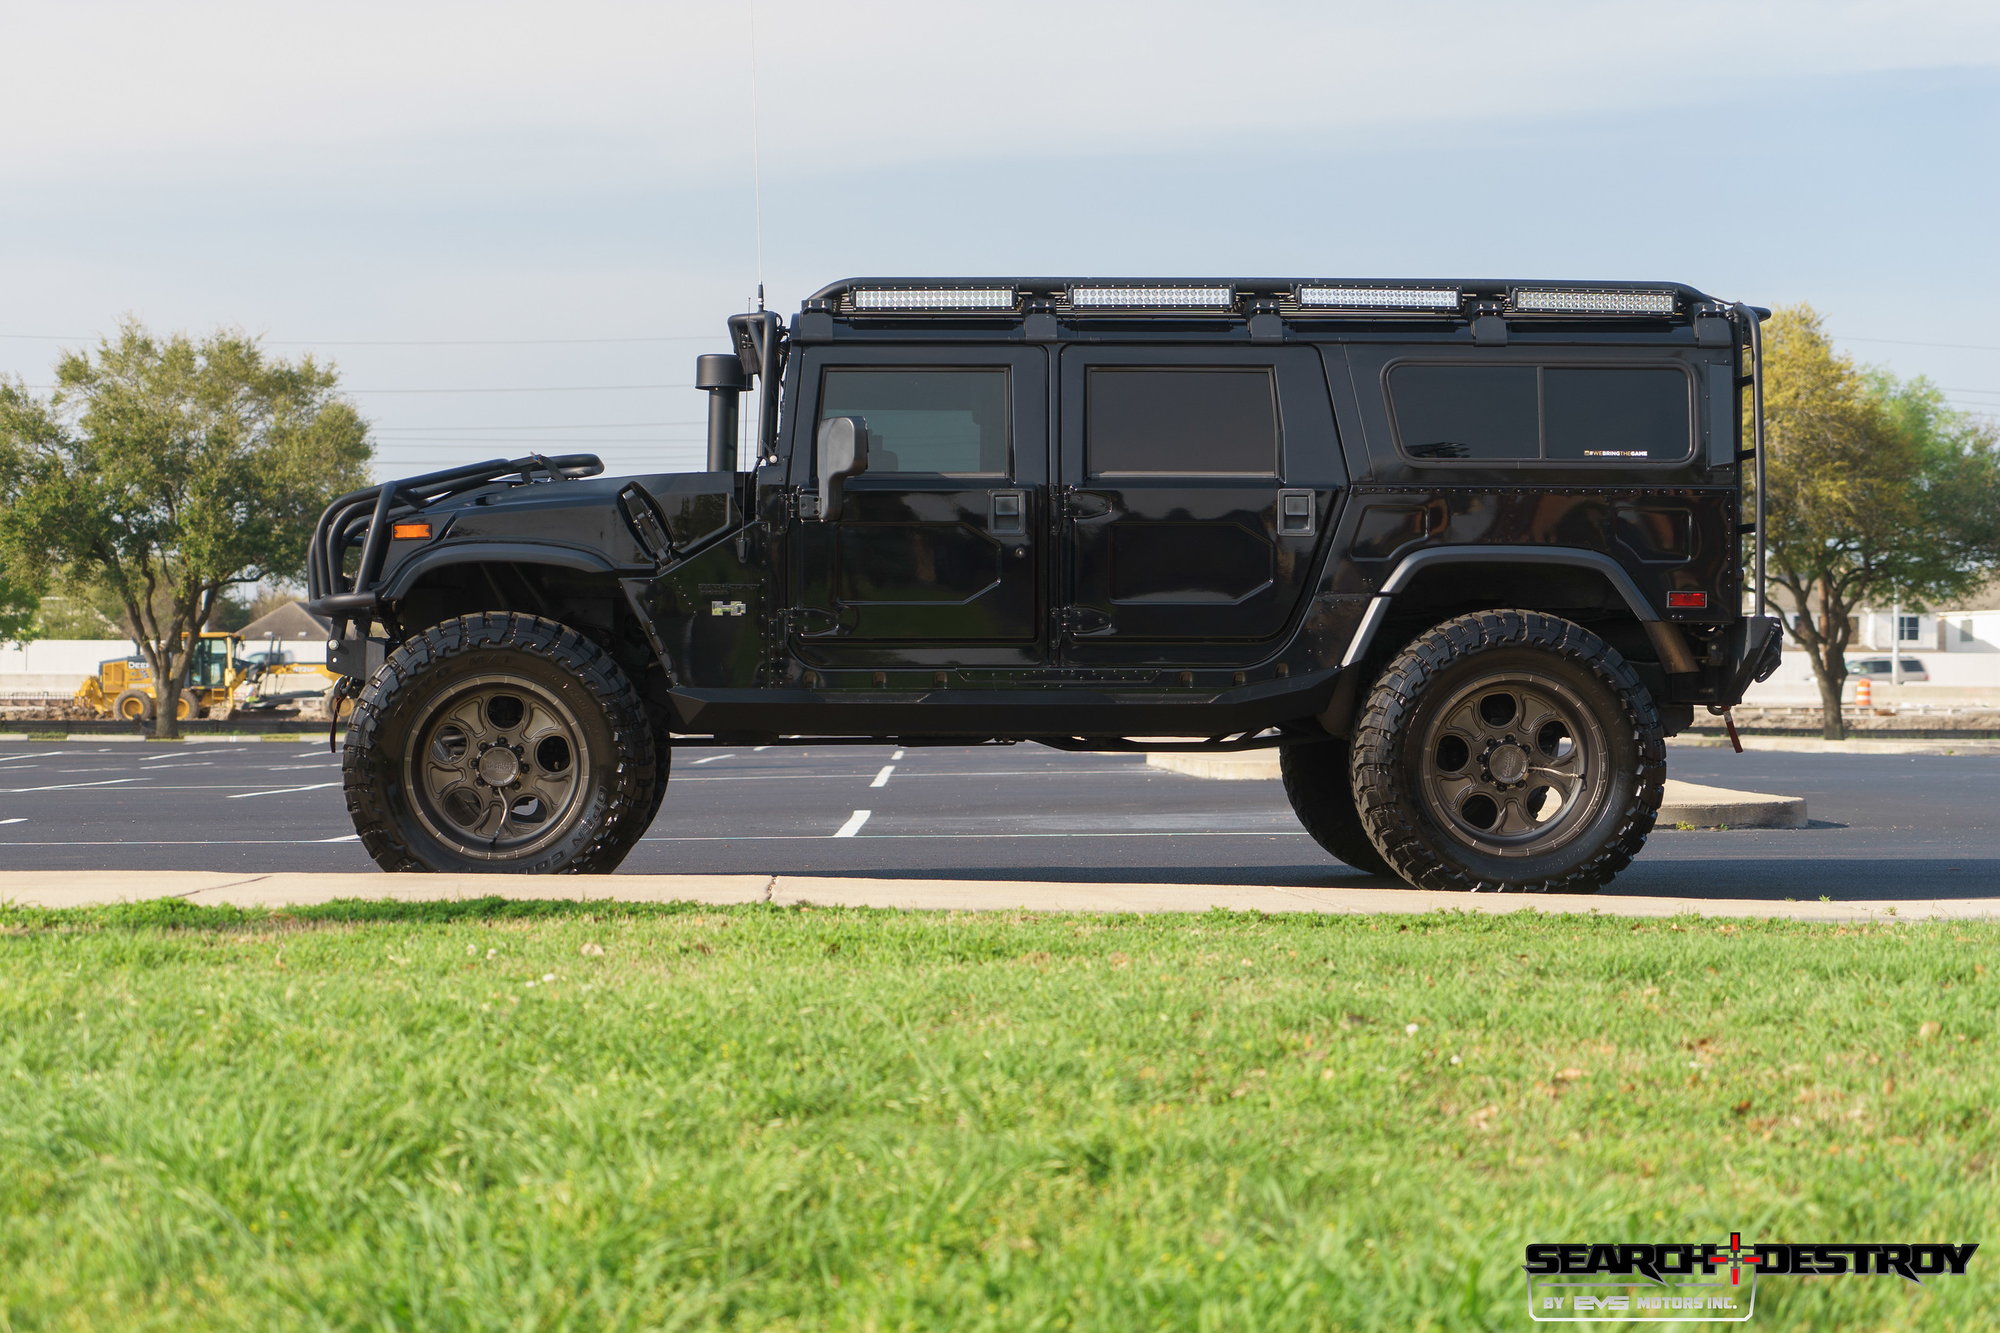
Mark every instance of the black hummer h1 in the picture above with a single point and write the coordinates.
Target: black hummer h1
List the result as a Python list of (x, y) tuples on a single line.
[(1465, 551)]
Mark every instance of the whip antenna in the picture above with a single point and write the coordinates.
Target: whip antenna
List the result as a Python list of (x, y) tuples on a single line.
[(756, 156)]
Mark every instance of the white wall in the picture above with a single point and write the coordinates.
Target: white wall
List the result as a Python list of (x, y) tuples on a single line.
[(48, 663), (1937, 632), (1953, 678), (61, 657)]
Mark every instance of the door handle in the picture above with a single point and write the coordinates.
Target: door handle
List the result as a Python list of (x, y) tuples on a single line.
[(1009, 514), (1298, 513)]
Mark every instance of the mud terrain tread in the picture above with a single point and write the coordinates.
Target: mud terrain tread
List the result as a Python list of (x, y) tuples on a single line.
[(562, 646), (1387, 809)]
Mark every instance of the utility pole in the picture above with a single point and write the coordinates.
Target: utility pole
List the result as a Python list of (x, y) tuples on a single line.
[(1895, 643)]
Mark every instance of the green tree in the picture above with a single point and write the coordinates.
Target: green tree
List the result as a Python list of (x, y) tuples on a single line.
[(18, 603), (20, 585), (169, 471), (1878, 491)]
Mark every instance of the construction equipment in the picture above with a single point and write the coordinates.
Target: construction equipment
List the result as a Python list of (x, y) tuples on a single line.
[(124, 686), (221, 679)]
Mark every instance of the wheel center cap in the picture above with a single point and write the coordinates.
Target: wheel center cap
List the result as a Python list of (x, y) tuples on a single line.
[(1508, 763), (499, 766)]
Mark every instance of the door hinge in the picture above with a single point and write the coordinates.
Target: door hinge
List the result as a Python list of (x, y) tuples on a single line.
[(809, 621), (1082, 621), (802, 503), (1076, 503)]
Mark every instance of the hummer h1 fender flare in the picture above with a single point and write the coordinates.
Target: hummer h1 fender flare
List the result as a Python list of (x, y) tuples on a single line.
[(1666, 638), (411, 570)]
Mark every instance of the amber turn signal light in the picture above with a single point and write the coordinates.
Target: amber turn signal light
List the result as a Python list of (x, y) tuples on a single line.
[(422, 532)]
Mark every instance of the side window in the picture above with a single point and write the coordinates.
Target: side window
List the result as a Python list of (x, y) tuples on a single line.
[(1466, 411), (1615, 413), (1148, 422), (1546, 413), (947, 421)]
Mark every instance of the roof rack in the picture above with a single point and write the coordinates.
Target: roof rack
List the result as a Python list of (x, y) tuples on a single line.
[(1238, 297)]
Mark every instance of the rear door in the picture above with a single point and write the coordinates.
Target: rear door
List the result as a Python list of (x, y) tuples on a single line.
[(1195, 484), (938, 554)]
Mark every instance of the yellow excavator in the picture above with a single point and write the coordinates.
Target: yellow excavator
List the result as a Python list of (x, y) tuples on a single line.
[(220, 680)]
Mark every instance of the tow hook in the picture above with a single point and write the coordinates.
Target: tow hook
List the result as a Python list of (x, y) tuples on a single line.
[(347, 687), (1728, 725)]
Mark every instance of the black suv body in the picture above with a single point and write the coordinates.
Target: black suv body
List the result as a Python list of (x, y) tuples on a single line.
[(1466, 550)]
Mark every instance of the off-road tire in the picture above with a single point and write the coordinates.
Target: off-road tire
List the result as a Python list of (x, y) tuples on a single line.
[(132, 706), (1444, 671), (1319, 785), (421, 684), (646, 810)]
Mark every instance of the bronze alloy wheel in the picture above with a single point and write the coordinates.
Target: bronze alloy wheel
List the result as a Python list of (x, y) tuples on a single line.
[(1508, 750), (1512, 766), (497, 768), (500, 742)]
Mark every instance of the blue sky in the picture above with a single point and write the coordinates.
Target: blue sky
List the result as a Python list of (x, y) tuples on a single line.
[(450, 173)]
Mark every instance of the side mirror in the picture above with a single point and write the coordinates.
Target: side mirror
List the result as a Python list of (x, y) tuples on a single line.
[(843, 453)]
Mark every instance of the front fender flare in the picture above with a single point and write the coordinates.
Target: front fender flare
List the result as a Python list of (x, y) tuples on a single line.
[(404, 577)]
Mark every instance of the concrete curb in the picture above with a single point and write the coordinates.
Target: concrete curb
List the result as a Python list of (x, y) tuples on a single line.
[(1685, 803), (1852, 745), (84, 888)]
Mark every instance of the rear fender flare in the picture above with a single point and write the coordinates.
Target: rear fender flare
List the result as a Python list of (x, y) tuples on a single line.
[(1666, 638)]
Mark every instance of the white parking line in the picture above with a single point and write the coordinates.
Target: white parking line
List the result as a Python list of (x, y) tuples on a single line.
[(280, 791), (712, 758), (17, 758), (72, 786), (897, 755), (853, 824), (721, 837), (17, 819), (882, 778)]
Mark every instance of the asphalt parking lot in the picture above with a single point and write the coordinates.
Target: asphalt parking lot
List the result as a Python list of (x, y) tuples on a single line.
[(1884, 826)]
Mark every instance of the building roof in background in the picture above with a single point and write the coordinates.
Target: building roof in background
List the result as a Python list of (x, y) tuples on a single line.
[(1981, 599), (290, 621)]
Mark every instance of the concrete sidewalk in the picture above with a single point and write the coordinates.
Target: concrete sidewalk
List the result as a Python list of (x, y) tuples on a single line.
[(83, 888), (1687, 804)]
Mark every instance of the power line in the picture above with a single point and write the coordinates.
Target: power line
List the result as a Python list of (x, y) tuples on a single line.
[(559, 425), (534, 439), (533, 388), (1905, 342), (410, 342), (511, 388)]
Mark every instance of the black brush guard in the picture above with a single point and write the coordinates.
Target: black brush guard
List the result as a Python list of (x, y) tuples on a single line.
[(366, 516)]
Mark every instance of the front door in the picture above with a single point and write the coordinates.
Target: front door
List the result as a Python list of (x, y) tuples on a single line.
[(1195, 488), (938, 555)]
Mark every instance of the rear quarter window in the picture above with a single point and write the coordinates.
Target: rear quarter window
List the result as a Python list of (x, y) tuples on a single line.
[(1542, 413)]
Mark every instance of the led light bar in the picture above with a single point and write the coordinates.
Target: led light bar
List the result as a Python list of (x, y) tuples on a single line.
[(1592, 301), (1379, 298), (932, 298), (1181, 298)]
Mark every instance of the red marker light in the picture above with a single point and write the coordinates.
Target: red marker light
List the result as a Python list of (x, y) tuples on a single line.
[(1691, 600)]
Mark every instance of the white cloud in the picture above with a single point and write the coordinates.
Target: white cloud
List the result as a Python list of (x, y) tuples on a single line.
[(218, 89)]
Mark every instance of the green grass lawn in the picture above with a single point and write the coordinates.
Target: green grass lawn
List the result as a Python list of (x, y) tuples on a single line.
[(549, 1116)]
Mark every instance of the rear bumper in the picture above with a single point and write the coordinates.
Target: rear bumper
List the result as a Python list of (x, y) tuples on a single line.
[(1756, 645)]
